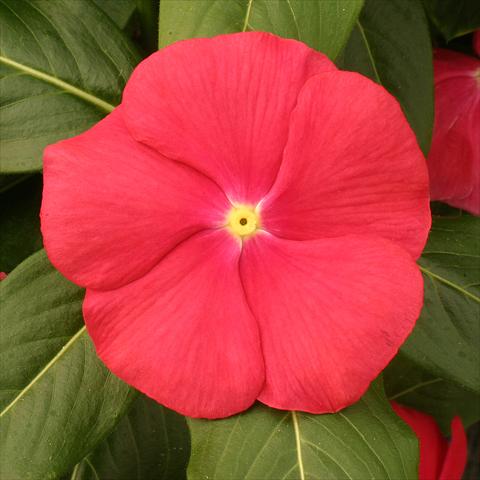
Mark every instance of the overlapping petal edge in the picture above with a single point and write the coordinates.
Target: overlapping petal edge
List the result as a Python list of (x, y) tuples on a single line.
[(304, 313)]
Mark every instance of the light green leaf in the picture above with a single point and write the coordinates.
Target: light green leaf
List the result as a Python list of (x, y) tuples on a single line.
[(57, 400), (391, 45), (323, 25), (63, 65), (447, 335), (366, 440), (151, 442)]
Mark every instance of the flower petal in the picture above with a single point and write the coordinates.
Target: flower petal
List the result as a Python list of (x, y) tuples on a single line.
[(433, 446), (183, 334), (454, 157), (222, 105), (332, 313), (351, 166), (113, 207), (456, 457)]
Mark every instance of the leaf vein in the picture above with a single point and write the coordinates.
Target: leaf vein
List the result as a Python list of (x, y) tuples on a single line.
[(99, 103), (44, 370)]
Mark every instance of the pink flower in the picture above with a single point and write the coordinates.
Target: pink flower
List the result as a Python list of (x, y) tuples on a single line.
[(246, 224), (454, 158), (3, 276), (439, 460)]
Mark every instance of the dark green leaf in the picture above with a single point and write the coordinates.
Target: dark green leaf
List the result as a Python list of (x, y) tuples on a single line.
[(9, 181), (391, 45), (63, 65), (447, 335), (406, 383), (150, 443), (57, 400), (440, 209), (453, 18), (137, 18), (19, 221), (366, 440), (146, 25), (324, 26), (120, 11)]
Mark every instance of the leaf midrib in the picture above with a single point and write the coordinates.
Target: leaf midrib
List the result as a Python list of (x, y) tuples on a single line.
[(247, 15), (44, 370), (449, 283), (415, 387), (67, 87), (369, 51), (298, 444)]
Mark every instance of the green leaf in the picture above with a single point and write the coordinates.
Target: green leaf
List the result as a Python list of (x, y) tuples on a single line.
[(147, 15), (453, 18), (9, 181), (57, 400), (151, 442), (446, 338), (408, 384), (137, 18), (324, 26), (63, 65), (391, 45), (366, 440), (19, 221), (120, 11)]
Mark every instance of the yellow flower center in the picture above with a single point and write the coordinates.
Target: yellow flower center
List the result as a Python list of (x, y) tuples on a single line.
[(243, 221)]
